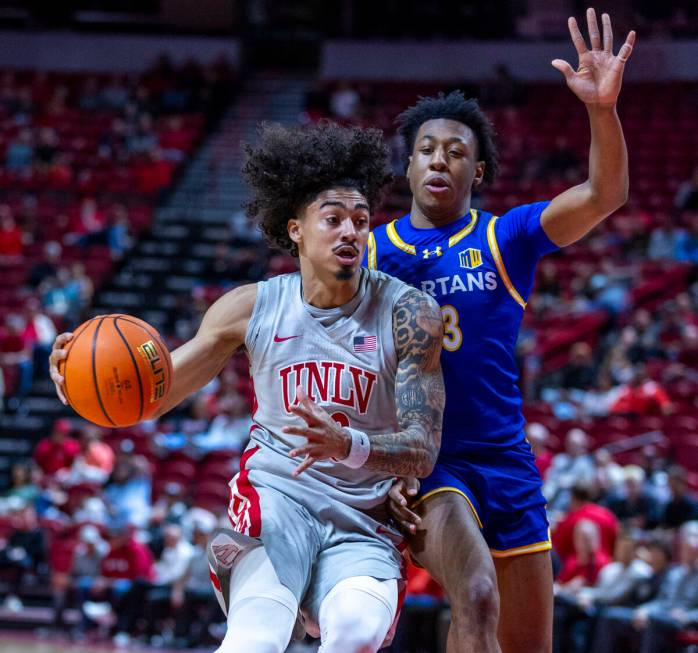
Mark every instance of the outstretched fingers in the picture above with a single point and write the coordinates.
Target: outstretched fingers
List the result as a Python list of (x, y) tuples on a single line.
[(577, 38), (607, 33), (624, 53), (594, 34)]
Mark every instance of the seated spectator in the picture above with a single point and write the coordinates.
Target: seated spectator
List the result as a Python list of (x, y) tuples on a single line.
[(84, 570), (609, 474), (687, 242), (40, 332), (193, 604), (19, 155), (58, 451), (119, 239), (16, 351), (571, 467), (128, 490), (144, 594), (94, 463), (581, 508), (653, 626), (538, 437), (345, 102), (686, 198), (619, 581), (580, 372), (126, 562), (581, 568), (11, 237), (46, 147), (24, 552), (229, 429), (48, 266), (632, 503), (579, 577), (22, 484), (682, 506), (641, 396)]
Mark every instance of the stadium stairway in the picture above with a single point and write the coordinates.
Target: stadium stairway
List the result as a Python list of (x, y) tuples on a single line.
[(168, 259)]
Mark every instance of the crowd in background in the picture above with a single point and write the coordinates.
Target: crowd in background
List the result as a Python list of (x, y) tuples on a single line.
[(119, 519)]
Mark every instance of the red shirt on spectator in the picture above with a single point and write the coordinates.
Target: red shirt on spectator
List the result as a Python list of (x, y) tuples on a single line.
[(563, 537), (51, 456), (11, 241), (587, 571), (646, 399), (131, 560), (543, 462)]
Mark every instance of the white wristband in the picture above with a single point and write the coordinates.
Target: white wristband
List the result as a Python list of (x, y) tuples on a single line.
[(359, 451)]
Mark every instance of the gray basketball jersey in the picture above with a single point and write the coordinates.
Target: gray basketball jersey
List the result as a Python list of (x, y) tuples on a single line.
[(344, 358)]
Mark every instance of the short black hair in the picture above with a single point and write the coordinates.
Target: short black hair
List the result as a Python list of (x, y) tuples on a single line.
[(291, 165), (453, 106)]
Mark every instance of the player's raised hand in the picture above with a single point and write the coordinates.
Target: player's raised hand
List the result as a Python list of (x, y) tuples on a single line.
[(58, 353), (326, 438), (599, 75)]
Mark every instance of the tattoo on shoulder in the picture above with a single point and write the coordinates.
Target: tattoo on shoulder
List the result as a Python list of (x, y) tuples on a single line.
[(419, 389), (418, 328)]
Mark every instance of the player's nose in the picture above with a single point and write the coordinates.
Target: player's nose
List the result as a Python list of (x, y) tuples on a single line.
[(349, 231), (438, 161)]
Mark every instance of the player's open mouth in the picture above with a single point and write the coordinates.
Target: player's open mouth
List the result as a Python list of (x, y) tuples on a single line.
[(437, 184), (346, 255)]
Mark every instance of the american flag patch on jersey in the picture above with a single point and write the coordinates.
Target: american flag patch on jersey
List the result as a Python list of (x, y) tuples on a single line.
[(365, 343)]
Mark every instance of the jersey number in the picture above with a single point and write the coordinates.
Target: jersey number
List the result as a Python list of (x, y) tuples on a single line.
[(453, 336)]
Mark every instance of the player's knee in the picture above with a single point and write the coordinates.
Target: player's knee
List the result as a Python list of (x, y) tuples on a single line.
[(478, 597), (352, 632), (360, 635)]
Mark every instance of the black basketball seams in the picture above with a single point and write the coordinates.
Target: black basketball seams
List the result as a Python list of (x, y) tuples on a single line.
[(94, 370), (135, 364)]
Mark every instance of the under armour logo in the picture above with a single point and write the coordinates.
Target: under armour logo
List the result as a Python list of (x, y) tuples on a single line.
[(426, 253)]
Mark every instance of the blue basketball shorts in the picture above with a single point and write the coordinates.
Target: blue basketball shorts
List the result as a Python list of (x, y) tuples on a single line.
[(503, 489)]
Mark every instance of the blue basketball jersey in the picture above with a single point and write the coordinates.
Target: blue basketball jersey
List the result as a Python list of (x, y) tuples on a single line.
[(480, 269)]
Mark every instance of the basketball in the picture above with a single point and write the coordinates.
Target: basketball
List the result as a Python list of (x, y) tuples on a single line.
[(117, 370)]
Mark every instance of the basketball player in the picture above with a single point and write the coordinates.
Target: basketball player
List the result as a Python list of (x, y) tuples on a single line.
[(349, 392), (483, 523)]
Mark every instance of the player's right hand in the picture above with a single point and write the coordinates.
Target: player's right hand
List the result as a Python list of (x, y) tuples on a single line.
[(401, 493), (58, 353)]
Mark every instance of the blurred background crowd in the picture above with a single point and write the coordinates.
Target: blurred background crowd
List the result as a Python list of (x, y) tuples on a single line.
[(120, 193)]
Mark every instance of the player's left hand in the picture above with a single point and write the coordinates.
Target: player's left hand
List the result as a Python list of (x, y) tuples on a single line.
[(598, 77), (326, 438)]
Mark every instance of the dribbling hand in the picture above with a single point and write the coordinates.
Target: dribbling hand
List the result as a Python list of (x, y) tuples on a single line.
[(58, 353), (598, 77), (326, 438)]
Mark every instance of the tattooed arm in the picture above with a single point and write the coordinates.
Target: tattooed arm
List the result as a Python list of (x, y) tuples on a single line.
[(419, 401), (419, 390)]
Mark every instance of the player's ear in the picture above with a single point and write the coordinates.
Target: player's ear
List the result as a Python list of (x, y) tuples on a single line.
[(479, 173), (409, 166), (294, 230)]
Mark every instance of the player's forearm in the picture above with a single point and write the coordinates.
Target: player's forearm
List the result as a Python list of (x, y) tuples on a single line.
[(608, 161), (411, 452), (572, 214), (193, 366)]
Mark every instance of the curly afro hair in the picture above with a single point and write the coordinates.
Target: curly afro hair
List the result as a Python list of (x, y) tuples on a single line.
[(292, 165), (453, 106)]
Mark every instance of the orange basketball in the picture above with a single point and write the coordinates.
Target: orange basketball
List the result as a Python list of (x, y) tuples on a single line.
[(117, 371)]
